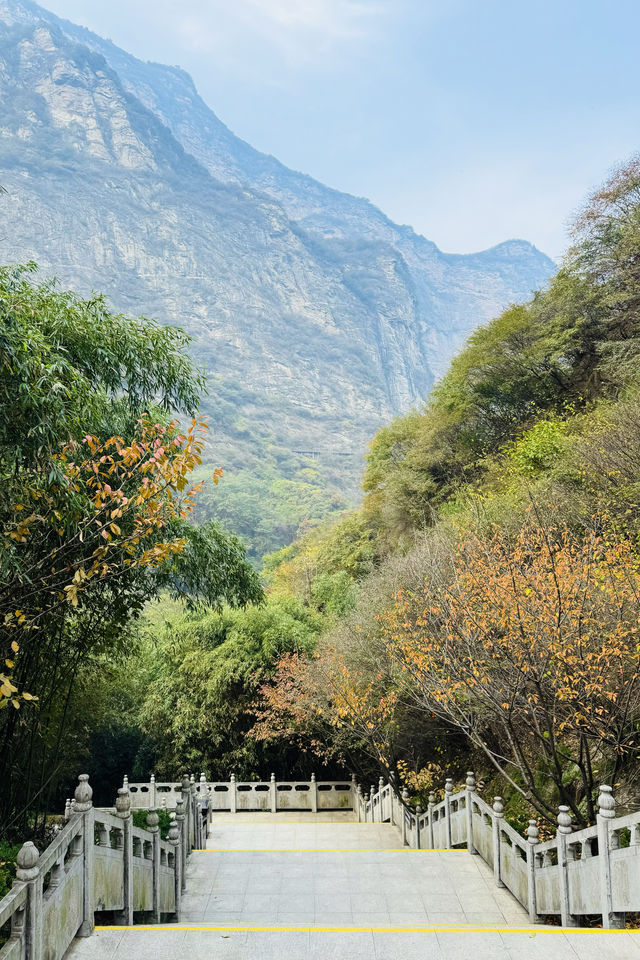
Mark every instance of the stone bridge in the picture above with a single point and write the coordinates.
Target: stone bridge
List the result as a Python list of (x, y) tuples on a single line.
[(321, 870)]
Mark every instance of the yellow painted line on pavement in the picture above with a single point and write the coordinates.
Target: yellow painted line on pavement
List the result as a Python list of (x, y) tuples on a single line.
[(324, 850), (306, 929)]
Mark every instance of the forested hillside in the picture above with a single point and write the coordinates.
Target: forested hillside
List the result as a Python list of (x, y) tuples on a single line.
[(484, 602)]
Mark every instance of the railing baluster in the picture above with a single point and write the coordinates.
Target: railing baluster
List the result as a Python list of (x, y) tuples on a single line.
[(498, 813), (83, 807), (470, 786), (532, 841)]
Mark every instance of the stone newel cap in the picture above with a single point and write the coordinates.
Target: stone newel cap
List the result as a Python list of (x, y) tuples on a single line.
[(83, 794), (153, 820), (123, 803), (27, 862), (173, 836), (606, 802), (532, 832), (564, 819)]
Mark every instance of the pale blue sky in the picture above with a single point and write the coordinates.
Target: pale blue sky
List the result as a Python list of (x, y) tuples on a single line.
[(472, 120)]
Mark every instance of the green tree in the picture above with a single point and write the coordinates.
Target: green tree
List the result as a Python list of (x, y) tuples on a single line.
[(573, 344), (212, 569), (94, 480), (206, 671)]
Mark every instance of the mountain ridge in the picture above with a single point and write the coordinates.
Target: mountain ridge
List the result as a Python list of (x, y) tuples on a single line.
[(316, 316)]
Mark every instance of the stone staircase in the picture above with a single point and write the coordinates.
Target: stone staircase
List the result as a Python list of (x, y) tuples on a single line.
[(323, 887), (320, 870)]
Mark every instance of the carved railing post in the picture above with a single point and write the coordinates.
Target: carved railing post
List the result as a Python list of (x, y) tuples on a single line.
[(174, 839), (431, 807), (606, 812), (448, 790), (419, 813), (180, 819), (153, 828), (359, 802), (197, 819), (392, 796), (207, 803), (195, 814), (498, 814), (153, 800), (532, 841), (28, 872), (314, 794), (470, 789), (380, 799), (83, 807), (273, 795), (405, 802), (185, 788), (67, 809), (123, 811), (233, 797), (564, 829)]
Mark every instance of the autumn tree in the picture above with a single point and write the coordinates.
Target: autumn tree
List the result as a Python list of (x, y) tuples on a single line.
[(328, 709), (343, 702), (531, 648)]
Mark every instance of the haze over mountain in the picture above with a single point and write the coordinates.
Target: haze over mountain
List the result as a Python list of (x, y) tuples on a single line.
[(316, 316)]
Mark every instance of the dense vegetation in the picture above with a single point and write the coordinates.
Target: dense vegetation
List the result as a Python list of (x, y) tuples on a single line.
[(484, 601), (482, 606), (488, 590), (94, 503)]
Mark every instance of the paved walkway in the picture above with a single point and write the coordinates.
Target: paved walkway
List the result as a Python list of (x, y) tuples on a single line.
[(326, 888)]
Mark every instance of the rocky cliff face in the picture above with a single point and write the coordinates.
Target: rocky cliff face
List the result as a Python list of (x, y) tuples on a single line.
[(319, 315)]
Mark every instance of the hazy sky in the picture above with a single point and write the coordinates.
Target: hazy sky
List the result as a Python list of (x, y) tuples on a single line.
[(472, 120)]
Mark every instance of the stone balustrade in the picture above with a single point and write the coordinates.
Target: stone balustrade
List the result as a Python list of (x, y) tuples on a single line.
[(235, 796), (590, 872), (99, 864)]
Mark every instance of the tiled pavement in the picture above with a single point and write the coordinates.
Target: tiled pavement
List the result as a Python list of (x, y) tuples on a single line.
[(325, 888)]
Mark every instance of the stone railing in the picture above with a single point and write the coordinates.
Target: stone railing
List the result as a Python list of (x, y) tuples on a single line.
[(234, 796), (589, 872), (99, 863)]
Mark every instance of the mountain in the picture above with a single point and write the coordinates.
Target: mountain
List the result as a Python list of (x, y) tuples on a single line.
[(316, 317)]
